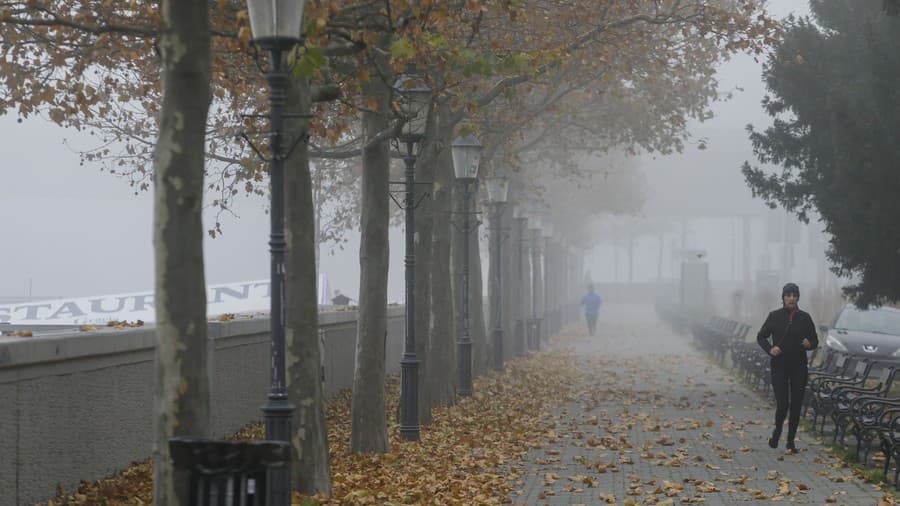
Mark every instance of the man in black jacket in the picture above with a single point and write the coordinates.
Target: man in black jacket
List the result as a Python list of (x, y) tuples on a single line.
[(792, 333)]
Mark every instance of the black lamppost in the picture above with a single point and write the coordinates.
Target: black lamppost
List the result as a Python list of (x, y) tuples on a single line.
[(497, 191), (466, 158), (415, 97), (522, 228), (276, 28)]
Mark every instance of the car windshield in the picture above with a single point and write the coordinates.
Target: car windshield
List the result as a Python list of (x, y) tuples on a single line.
[(882, 321)]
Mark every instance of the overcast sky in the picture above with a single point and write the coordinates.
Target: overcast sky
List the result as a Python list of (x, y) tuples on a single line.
[(71, 230)]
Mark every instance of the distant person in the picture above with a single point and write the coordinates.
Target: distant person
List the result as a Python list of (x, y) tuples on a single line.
[(791, 332), (591, 302)]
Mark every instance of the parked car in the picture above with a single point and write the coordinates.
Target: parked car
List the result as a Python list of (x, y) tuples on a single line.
[(872, 333)]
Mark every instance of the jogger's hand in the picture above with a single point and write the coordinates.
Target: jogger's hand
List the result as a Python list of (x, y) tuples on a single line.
[(775, 351), (806, 344)]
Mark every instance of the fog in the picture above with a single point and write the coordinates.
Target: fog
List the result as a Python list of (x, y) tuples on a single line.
[(72, 230)]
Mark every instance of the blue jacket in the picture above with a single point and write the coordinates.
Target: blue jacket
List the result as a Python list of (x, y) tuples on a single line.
[(591, 302)]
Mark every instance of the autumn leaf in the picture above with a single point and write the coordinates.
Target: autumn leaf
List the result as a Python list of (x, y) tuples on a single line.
[(402, 48)]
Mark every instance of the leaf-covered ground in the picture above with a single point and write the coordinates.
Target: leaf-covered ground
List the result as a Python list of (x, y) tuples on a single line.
[(463, 457), (655, 421), (631, 416)]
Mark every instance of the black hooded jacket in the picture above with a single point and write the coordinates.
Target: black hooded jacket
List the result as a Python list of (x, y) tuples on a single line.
[(788, 334)]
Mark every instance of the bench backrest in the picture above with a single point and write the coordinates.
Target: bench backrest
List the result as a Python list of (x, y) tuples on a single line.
[(862, 369), (886, 379), (226, 473)]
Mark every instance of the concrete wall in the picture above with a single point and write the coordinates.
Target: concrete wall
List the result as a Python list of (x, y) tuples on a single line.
[(78, 406)]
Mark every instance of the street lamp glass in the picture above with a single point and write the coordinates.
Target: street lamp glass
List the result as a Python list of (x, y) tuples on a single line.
[(497, 189), (415, 97), (548, 230), (466, 157), (276, 22)]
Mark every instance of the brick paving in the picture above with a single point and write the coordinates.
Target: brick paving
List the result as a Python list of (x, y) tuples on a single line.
[(656, 422)]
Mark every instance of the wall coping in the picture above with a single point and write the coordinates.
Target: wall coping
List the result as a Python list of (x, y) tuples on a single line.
[(61, 345)]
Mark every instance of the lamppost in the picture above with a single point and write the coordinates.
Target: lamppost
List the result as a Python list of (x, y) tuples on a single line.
[(415, 96), (276, 28), (497, 191), (466, 158), (521, 227)]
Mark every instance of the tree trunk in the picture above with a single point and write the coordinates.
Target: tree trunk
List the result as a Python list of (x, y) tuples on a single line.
[(181, 388), (659, 259), (442, 352), (310, 469), (482, 353), (528, 307), (630, 259), (547, 287), (537, 280), (424, 223), (318, 203), (507, 281), (368, 430), (616, 257), (495, 280), (518, 279), (456, 267)]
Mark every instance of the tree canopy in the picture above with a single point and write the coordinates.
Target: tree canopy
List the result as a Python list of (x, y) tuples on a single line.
[(834, 102)]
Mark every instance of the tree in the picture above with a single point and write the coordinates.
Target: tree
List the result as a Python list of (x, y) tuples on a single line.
[(368, 424), (181, 391), (833, 102), (311, 470), (91, 64)]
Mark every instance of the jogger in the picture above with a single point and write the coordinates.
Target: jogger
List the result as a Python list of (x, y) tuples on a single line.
[(591, 302), (792, 333)]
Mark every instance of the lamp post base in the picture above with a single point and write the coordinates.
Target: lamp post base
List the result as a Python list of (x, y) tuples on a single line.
[(519, 333), (465, 367), (277, 413), (498, 349), (529, 329), (409, 398)]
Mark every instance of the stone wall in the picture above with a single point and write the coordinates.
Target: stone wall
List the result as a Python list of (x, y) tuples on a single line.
[(78, 406)]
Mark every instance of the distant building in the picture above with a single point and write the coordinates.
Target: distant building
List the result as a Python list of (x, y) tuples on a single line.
[(340, 300)]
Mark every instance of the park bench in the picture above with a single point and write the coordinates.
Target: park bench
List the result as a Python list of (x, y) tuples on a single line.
[(835, 364), (822, 385), (226, 473), (869, 415), (888, 429), (843, 397)]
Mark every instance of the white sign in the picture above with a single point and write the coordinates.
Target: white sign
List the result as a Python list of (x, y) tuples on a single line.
[(242, 297)]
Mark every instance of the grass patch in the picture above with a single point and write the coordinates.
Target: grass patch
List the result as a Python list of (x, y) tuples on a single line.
[(874, 475)]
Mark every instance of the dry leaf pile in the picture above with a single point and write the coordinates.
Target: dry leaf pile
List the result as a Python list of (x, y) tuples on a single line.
[(464, 457), (463, 453), (20, 333)]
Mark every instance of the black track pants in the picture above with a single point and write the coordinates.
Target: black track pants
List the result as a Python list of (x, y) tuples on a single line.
[(788, 383)]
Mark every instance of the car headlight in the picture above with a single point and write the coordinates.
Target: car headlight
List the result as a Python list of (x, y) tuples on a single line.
[(832, 342)]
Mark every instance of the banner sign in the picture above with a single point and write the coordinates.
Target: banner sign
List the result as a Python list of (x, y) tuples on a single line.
[(242, 297)]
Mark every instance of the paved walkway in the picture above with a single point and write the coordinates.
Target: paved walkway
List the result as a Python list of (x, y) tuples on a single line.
[(655, 422)]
